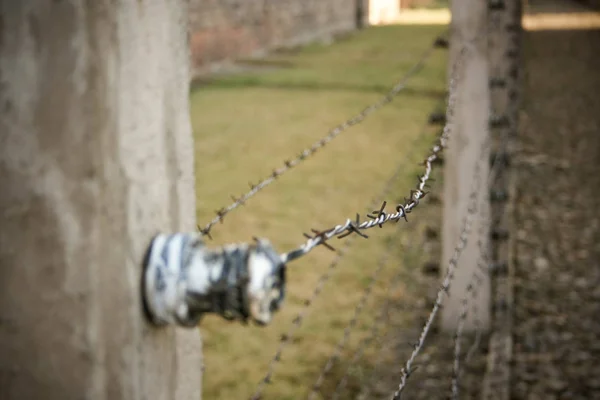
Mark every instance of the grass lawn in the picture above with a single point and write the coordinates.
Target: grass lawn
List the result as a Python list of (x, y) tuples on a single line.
[(247, 124)]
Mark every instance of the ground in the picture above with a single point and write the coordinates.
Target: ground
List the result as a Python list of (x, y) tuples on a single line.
[(557, 282)]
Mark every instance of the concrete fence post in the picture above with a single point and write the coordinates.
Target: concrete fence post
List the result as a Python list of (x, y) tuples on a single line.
[(96, 157), (470, 130)]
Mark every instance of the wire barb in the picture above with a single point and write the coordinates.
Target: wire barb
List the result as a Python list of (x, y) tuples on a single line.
[(377, 323), (452, 265), (297, 321), (332, 134), (469, 301), (380, 217), (352, 323)]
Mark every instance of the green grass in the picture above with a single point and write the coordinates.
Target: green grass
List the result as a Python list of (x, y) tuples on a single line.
[(247, 124)]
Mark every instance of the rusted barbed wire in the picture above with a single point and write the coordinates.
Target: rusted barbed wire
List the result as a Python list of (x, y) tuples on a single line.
[(333, 133), (380, 217)]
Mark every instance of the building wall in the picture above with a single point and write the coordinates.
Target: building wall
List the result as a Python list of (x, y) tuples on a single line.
[(226, 29)]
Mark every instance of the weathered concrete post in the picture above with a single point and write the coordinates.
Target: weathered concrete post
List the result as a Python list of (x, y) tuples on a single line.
[(96, 156), (470, 130), (505, 66)]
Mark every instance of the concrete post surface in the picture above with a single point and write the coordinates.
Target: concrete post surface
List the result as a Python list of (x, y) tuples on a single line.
[(471, 119), (96, 156)]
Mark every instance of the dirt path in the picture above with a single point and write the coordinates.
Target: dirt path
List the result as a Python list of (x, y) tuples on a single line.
[(557, 285)]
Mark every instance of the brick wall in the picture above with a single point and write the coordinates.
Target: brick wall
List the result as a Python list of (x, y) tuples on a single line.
[(225, 29)]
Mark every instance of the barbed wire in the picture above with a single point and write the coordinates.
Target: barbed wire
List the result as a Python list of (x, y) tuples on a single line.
[(380, 217), (377, 323), (483, 266), (298, 320), (364, 298), (333, 133), (448, 277), (352, 323), (373, 337), (376, 364), (350, 227), (472, 211), (471, 293)]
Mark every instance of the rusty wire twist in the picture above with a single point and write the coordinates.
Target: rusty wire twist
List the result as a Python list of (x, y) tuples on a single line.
[(333, 133)]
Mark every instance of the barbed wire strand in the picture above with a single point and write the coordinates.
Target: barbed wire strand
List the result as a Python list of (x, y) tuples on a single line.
[(360, 305), (380, 217), (471, 293), (377, 363), (448, 277), (451, 266), (484, 265), (383, 262), (485, 262), (333, 133), (472, 211), (349, 228), (380, 319), (298, 320), (387, 336)]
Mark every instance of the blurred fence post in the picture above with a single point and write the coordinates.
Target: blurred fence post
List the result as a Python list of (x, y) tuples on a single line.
[(505, 69), (96, 156), (470, 130)]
